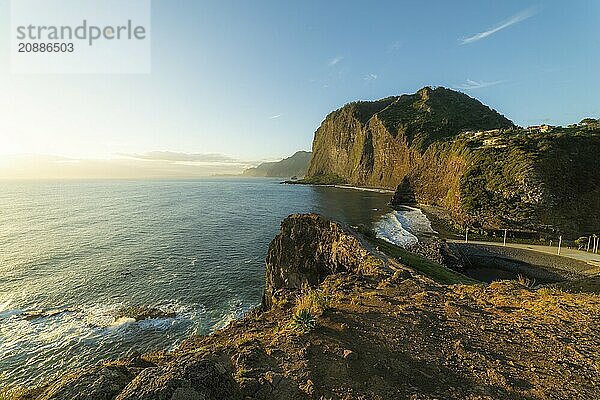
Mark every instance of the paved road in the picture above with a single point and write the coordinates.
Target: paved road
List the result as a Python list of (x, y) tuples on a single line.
[(590, 258)]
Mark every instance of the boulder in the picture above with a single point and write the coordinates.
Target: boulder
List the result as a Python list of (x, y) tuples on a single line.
[(101, 382), (189, 379)]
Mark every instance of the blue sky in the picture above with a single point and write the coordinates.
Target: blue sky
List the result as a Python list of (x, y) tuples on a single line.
[(253, 80)]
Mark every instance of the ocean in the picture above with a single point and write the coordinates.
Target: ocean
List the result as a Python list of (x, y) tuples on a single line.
[(73, 253)]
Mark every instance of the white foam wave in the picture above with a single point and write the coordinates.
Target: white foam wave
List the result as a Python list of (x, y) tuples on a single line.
[(415, 221), (390, 229), (403, 227), (4, 305), (236, 311), (122, 321)]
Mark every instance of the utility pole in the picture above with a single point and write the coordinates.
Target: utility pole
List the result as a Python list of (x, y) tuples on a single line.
[(559, 243), (505, 231), (467, 235)]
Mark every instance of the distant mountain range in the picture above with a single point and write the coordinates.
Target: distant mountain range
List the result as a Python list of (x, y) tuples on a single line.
[(294, 166)]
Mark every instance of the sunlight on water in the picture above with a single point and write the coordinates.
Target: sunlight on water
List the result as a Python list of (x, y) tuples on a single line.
[(74, 253)]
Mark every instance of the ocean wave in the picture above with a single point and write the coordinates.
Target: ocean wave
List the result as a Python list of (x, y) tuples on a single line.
[(415, 221), (5, 304), (404, 227), (390, 229), (237, 309), (85, 335)]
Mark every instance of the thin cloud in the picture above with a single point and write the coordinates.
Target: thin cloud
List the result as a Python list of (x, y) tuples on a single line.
[(472, 85), (395, 46), (275, 116), (521, 16), (370, 77), (177, 165), (179, 157), (335, 61)]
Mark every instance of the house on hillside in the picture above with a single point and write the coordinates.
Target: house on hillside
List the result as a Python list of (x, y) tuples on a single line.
[(540, 128)]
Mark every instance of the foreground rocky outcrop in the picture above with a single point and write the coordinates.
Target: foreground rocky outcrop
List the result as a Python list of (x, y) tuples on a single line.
[(444, 148), (345, 321), (307, 250)]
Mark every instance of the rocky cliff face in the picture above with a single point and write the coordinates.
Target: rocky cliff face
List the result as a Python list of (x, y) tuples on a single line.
[(309, 248), (444, 148), (378, 143)]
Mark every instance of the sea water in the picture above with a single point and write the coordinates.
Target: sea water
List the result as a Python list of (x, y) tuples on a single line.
[(77, 252)]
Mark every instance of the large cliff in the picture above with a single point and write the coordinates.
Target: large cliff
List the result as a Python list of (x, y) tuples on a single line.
[(344, 321), (447, 149)]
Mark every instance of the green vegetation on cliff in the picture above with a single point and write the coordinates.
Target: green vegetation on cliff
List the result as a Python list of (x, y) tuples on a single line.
[(447, 149), (324, 179)]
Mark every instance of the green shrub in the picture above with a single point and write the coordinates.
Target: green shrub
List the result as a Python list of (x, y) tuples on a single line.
[(303, 321), (325, 179)]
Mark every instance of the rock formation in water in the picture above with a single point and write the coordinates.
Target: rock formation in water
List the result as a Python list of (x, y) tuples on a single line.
[(345, 321), (404, 194), (293, 166), (447, 149)]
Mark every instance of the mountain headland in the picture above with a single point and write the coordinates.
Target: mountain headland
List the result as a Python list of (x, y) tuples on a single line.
[(293, 166), (443, 148)]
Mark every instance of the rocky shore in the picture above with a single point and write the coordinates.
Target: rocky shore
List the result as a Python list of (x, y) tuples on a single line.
[(342, 320)]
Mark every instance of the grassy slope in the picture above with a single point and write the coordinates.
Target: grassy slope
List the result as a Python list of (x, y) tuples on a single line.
[(435, 271)]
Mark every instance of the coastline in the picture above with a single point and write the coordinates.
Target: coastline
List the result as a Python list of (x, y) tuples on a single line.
[(340, 186), (368, 333), (204, 285), (430, 252), (433, 246)]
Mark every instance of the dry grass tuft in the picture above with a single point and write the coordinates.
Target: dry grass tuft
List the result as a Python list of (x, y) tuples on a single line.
[(310, 304), (527, 282), (371, 265), (313, 300)]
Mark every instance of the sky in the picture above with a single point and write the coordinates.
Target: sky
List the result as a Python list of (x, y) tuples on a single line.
[(235, 83)]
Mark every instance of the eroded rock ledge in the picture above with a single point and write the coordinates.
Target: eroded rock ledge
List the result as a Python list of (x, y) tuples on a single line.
[(381, 332)]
